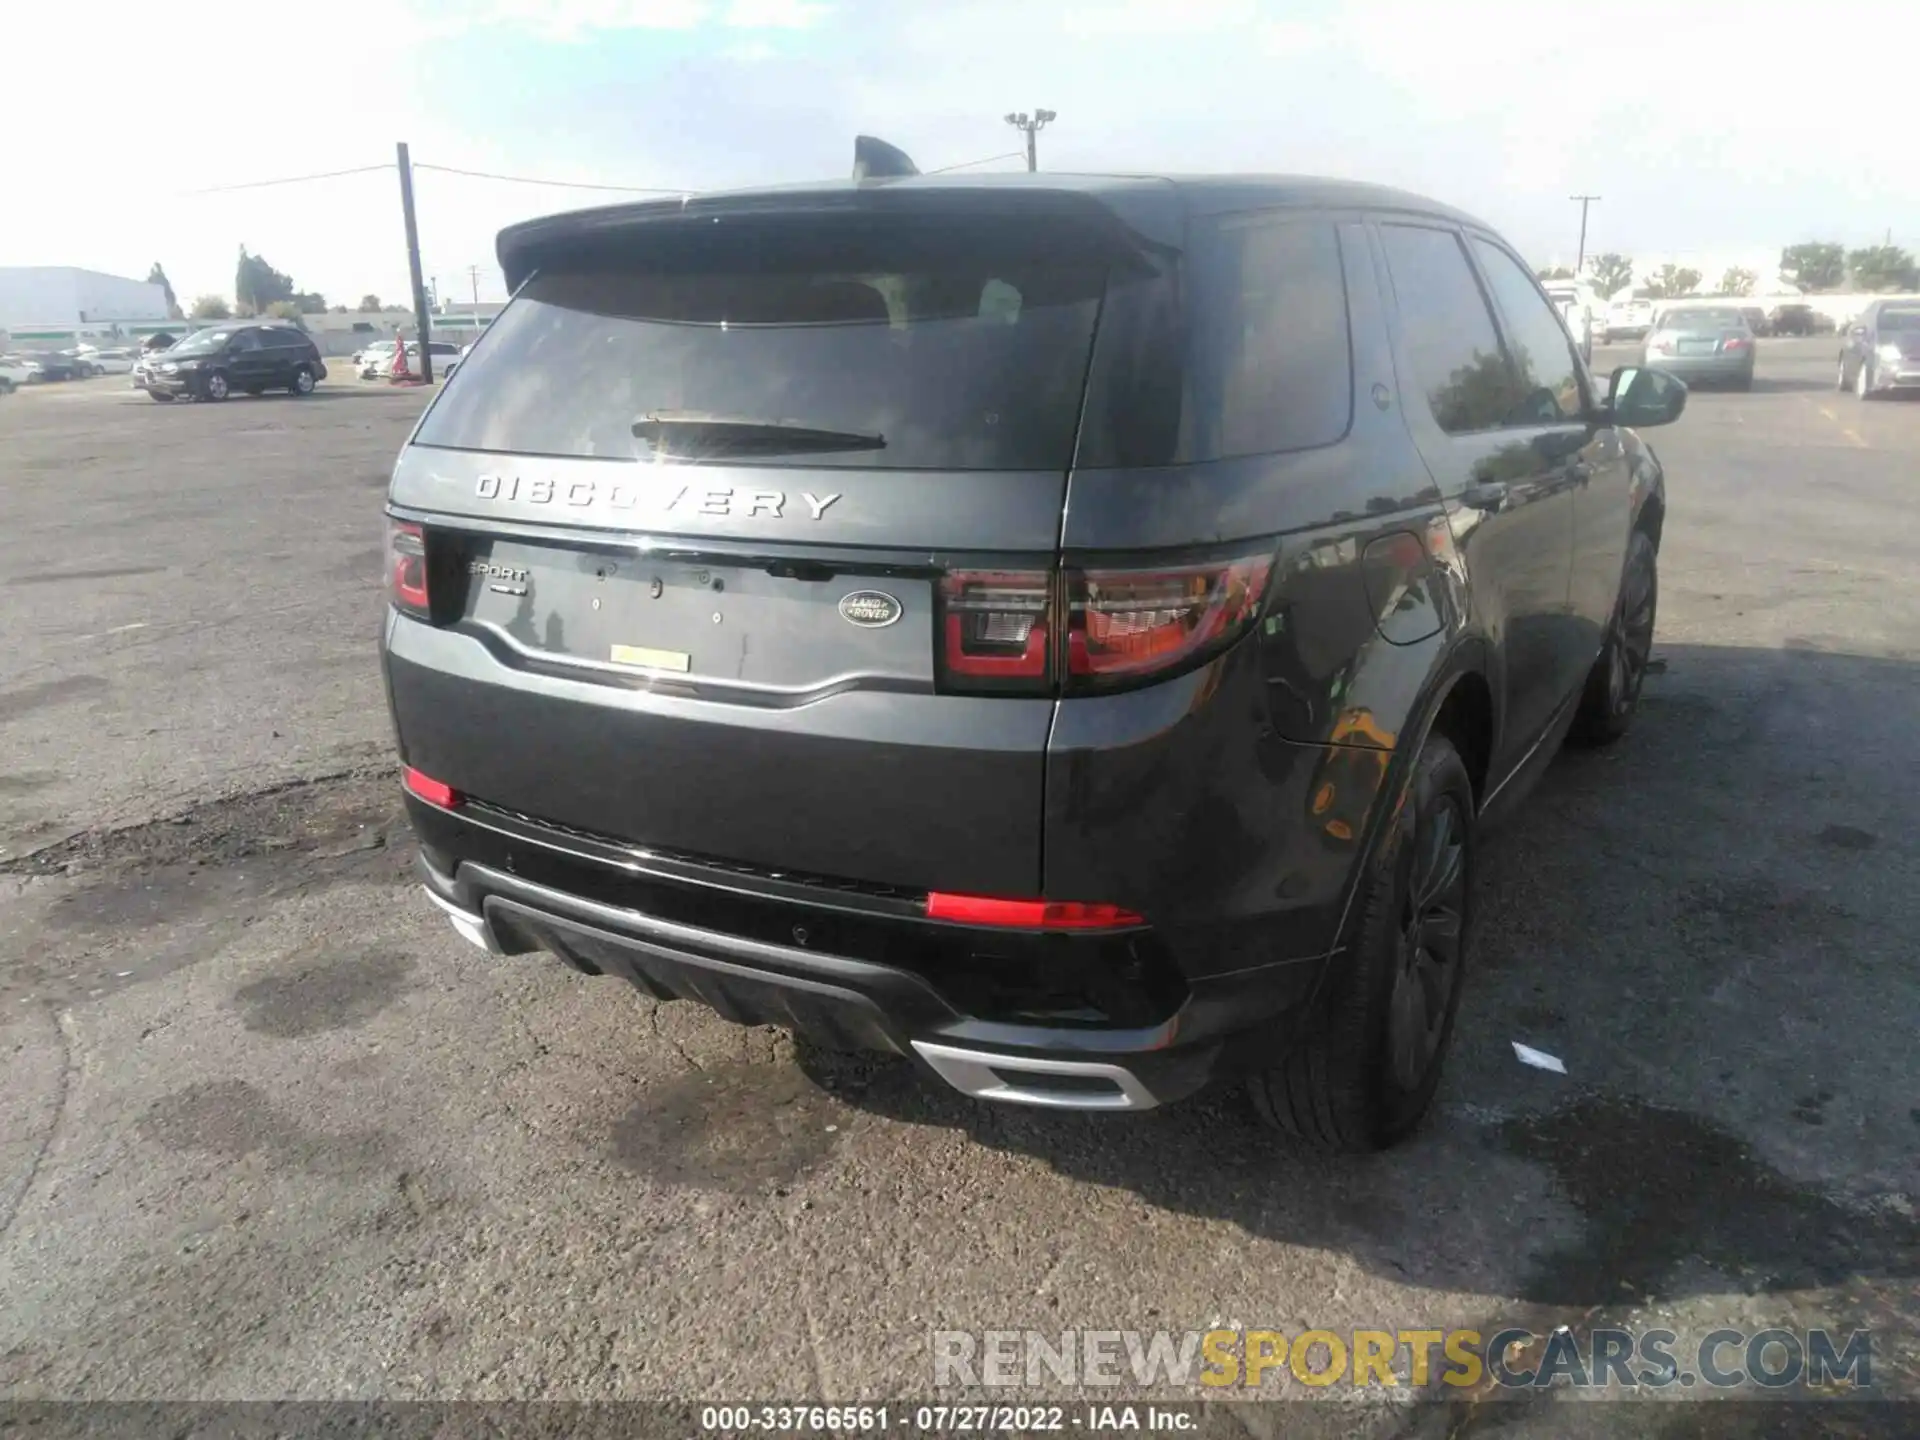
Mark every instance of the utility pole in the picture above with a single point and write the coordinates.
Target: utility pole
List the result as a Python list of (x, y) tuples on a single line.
[(413, 260), (1585, 200), (1031, 126), (473, 273)]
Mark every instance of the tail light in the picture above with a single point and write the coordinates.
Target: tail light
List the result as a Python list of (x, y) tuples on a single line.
[(1660, 345), (1734, 342), (1000, 630), (1028, 914), (407, 568), (995, 625), (1136, 622)]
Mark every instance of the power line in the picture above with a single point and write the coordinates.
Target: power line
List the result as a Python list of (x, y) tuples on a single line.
[(531, 180), (968, 164), (288, 180)]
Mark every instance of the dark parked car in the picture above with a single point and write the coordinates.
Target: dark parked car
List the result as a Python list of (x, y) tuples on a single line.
[(820, 616), (1793, 320), (215, 363), (1882, 349), (50, 365), (1757, 321)]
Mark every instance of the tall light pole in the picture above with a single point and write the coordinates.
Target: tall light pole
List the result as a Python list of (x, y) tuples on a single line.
[(1585, 200), (1031, 126)]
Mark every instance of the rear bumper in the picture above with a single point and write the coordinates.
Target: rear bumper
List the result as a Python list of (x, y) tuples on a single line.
[(905, 1003), (1884, 377)]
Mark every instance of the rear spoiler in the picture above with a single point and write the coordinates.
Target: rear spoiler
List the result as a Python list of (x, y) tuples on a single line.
[(1144, 218)]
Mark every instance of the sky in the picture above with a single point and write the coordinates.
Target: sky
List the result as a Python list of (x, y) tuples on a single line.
[(1707, 129)]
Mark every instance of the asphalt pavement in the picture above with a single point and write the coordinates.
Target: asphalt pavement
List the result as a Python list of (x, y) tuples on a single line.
[(268, 1129)]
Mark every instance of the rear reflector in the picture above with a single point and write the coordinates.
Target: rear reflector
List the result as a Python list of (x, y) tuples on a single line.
[(1027, 914), (435, 792)]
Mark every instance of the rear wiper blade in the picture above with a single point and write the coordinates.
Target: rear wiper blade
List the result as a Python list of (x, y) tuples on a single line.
[(697, 435)]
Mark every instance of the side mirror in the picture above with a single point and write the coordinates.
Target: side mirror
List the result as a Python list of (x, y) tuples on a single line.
[(1858, 332), (1638, 398)]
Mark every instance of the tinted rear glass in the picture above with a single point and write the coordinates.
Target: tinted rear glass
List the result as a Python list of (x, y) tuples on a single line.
[(1250, 354), (1706, 320), (1902, 320), (965, 357)]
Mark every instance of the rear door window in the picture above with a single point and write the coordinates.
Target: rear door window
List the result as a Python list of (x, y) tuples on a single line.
[(930, 354), (1549, 380), (1447, 329)]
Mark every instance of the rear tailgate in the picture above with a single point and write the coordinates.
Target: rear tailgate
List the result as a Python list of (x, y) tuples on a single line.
[(688, 519)]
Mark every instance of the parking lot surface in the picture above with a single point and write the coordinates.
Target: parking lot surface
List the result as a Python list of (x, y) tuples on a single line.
[(269, 1129)]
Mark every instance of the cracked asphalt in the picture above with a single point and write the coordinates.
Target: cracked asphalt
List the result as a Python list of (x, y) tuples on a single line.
[(269, 1130)]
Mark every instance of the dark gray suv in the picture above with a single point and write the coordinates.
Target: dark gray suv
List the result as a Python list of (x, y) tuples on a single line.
[(1069, 631)]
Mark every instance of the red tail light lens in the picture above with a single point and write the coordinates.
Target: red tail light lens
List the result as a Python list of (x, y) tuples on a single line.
[(1735, 342), (407, 567), (994, 625), (1028, 914), (434, 792), (1134, 622)]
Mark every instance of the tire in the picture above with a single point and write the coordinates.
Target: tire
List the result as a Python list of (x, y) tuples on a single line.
[(302, 382), (161, 396), (1841, 382), (1862, 387), (6, 386), (1745, 382), (1612, 695), (1365, 1073), (215, 387)]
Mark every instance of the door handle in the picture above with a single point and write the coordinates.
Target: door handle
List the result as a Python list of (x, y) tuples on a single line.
[(1580, 472), (1486, 495)]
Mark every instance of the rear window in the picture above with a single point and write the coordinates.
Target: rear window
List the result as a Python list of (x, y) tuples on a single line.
[(1705, 319), (926, 355), (1901, 320)]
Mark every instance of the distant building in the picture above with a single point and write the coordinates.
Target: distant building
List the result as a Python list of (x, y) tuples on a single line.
[(63, 304)]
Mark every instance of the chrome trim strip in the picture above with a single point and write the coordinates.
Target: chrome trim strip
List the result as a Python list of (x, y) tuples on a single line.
[(973, 1073)]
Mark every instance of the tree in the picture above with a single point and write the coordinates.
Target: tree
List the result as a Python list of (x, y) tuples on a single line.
[(1737, 282), (211, 307), (283, 310), (1815, 265), (1882, 267), (310, 302), (1556, 272), (157, 276), (256, 284), (1611, 274), (1673, 280), (371, 302)]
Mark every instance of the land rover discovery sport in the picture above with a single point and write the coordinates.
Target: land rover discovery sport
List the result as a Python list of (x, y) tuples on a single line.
[(1067, 631)]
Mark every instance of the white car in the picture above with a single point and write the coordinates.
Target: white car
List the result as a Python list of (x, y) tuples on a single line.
[(108, 362), (13, 373), (1629, 319), (452, 363), (376, 360), (1581, 307)]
